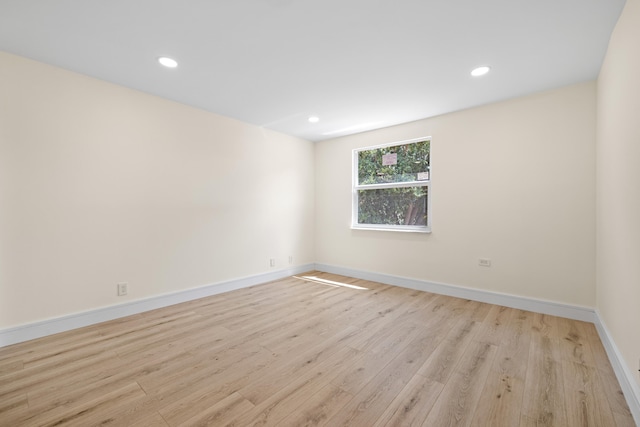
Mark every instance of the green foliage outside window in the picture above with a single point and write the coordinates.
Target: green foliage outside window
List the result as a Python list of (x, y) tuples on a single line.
[(411, 159), (394, 206)]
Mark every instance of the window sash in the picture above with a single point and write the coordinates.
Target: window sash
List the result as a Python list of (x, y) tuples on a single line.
[(356, 187), (393, 206), (356, 155)]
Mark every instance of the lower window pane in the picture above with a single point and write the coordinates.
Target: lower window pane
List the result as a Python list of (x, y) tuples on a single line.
[(393, 206)]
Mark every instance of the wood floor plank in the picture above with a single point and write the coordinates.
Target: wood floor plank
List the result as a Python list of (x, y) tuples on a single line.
[(217, 411), (320, 407), (501, 400), (444, 359), (50, 402), (130, 412), (574, 343), (502, 396), (152, 420), (178, 393), (581, 386), (412, 405), (104, 373), (193, 339), (545, 403), (372, 400), (288, 397), (81, 413), (312, 350), (369, 403), (613, 392), (496, 324), (374, 359), (27, 379), (459, 398), (14, 405), (296, 370)]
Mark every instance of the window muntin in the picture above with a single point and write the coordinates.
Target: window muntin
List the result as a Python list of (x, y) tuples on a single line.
[(391, 186)]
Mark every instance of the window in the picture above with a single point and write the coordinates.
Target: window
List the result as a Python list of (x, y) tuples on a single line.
[(391, 186)]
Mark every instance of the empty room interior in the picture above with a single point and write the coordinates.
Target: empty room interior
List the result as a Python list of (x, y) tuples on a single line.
[(281, 212)]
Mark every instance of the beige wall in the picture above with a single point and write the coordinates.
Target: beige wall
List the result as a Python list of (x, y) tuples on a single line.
[(618, 187), (101, 184), (512, 181)]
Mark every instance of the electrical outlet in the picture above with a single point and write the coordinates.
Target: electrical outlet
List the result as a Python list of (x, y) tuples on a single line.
[(272, 262), (484, 262), (290, 259), (123, 289)]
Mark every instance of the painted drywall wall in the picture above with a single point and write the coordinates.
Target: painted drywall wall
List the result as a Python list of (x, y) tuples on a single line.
[(618, 187), (101, 184), (512, 182)]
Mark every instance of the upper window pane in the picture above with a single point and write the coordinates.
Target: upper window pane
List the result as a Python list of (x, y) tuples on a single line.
[(397, 163)]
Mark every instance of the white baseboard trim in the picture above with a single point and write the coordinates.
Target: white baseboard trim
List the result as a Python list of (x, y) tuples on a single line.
[(586, 314), (43, 328), (624, 374)]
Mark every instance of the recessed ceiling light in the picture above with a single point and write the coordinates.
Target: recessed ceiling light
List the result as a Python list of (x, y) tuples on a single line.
[(314, 119), (168, 62), (480, 71)]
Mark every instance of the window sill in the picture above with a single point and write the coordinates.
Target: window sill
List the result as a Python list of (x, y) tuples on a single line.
[(397, 228)]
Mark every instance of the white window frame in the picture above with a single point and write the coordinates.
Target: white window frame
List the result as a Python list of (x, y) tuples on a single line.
[(355, 187)]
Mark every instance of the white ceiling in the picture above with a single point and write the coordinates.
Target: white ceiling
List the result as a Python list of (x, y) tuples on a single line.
[(357, 64)]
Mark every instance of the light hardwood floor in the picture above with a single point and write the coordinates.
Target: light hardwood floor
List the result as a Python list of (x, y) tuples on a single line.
[(306, 352)]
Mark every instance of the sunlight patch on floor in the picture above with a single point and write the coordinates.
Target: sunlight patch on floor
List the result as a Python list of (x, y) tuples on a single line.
[(330, 282)]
